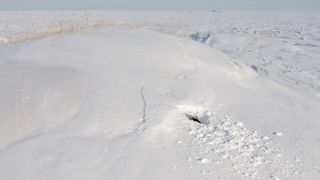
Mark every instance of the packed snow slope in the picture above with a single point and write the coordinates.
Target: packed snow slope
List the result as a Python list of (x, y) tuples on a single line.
[(111, 103)]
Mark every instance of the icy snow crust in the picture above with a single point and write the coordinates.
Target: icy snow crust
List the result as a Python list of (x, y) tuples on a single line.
[(110, 103)]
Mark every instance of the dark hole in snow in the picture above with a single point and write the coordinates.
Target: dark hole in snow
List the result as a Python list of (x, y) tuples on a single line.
[(197, 114), (193, 118)]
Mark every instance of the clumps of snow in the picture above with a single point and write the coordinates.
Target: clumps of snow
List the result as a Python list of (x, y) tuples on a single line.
[(274, 178), (181, 76), (277, 133), (231, 141), (234, 142), (203, 160)]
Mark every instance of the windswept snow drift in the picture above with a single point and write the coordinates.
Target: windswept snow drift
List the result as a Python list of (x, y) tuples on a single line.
[(110, 104)]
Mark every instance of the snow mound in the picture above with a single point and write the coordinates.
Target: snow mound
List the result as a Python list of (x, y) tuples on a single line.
[(91, 105)]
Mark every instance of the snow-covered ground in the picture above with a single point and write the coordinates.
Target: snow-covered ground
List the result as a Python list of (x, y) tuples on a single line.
[(107, 95)]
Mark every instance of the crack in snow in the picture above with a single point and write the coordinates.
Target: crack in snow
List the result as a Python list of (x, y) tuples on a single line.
[(141, 125), (144, 105)]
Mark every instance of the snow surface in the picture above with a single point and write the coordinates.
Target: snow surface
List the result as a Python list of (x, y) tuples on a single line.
[(104, 95)]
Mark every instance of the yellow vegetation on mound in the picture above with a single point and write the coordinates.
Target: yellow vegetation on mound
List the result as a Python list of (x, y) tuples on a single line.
[(62, 27)]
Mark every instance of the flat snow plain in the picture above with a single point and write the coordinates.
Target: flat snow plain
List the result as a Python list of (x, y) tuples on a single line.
[(104, 95)]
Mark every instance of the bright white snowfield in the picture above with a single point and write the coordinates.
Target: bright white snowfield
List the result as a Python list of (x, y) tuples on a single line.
[(107, 95)]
